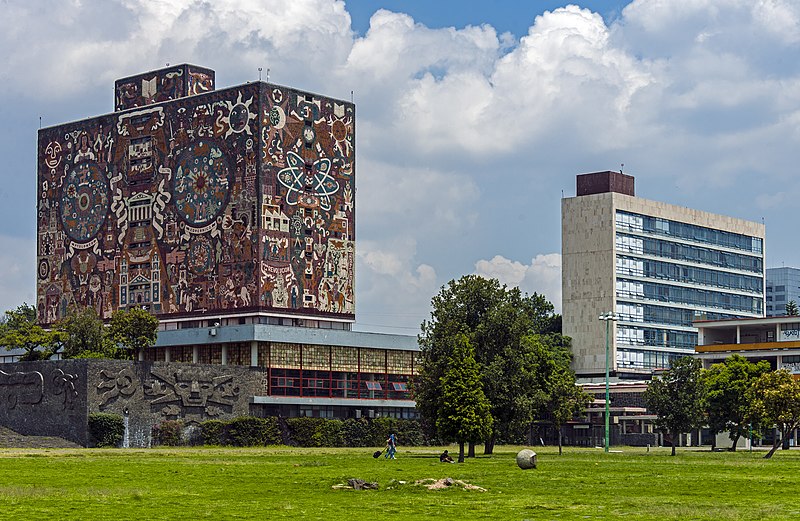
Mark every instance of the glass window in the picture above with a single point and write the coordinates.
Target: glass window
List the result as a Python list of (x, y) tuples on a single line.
[(399, 362), (316, 357), (654, 337), (285, 355), (689, 274), (285, 382), (181, 354), (627, 289), (663, 248), (691, 232), (344, 358), (209, 354), (373, 360), (239, 354)]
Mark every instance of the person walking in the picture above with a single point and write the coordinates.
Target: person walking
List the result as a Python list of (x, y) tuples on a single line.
[(391, 446)]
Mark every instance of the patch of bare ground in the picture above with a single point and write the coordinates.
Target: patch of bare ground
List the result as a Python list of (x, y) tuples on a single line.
[(437, 484)]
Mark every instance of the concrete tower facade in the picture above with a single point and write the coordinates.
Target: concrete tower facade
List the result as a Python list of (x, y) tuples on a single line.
[(657, 267)]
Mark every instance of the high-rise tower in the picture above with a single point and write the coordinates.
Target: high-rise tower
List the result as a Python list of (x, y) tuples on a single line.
[(657, 267)]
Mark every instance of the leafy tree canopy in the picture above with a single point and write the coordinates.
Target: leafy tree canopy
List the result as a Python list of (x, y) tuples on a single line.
[(516, 340), (132, 330), (86, 336), (775, 400), (727, 404), (464, 414), (677, 397), (19, 330), (566, 400)]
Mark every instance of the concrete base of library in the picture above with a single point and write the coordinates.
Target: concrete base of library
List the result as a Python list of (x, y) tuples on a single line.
[(56, 397)]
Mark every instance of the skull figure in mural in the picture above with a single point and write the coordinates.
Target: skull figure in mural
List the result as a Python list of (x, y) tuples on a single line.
[(192, 392), (193, 389)]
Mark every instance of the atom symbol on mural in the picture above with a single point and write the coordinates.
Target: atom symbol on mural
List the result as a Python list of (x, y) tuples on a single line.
[(303, 179)]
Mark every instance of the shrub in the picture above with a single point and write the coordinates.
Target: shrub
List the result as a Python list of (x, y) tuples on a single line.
[(105, 430), (303, 431), (168, 432), (357, 433), (381, 429), (329, 434), (212, 432), (310, 432), (409, 432), (248, 431)]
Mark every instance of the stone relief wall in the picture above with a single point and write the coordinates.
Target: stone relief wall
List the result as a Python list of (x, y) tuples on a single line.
[(55, 398), (45, 399), (151, 392)]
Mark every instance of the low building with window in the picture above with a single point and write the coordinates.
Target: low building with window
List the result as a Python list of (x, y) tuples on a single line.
[(774, 339), (307, 371)]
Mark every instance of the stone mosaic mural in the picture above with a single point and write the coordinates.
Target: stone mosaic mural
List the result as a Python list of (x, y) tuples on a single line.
[(162, 85), (236, 199)]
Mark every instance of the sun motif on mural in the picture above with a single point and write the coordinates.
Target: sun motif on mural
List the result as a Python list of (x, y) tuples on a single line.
[(201, 184), (239, 116), (308, 184), (341, 134), (84, 201)]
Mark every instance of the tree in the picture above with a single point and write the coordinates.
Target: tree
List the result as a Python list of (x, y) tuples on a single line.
[(791, 309), (727, 404), (465, 412), (85, 336), (566, 400), (131, 331), (495, 320), (21, 331), (775, 400), (677, 397)]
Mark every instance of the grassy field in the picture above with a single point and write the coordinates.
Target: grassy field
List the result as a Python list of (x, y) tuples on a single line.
[(276, 483)]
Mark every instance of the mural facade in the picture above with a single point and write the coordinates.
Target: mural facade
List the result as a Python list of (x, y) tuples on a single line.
[(162, 85), (240, 199)]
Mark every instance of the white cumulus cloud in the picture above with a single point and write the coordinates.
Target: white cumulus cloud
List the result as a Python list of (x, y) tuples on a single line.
[(542, 275)]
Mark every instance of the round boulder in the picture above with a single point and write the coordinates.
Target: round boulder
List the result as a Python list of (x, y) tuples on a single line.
[(526, 459)]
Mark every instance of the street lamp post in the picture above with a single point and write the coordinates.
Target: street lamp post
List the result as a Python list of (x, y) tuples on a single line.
[(608, 318)]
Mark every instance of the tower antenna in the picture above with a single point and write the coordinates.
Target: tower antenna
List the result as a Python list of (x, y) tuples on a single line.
[(259, 74)]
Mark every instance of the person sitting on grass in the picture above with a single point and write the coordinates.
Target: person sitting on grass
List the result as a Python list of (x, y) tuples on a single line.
[(445, 457)]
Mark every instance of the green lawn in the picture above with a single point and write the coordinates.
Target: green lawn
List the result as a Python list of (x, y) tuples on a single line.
[(270, 483)]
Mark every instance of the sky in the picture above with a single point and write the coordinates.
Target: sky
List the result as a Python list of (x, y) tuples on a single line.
[(473, 118)]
